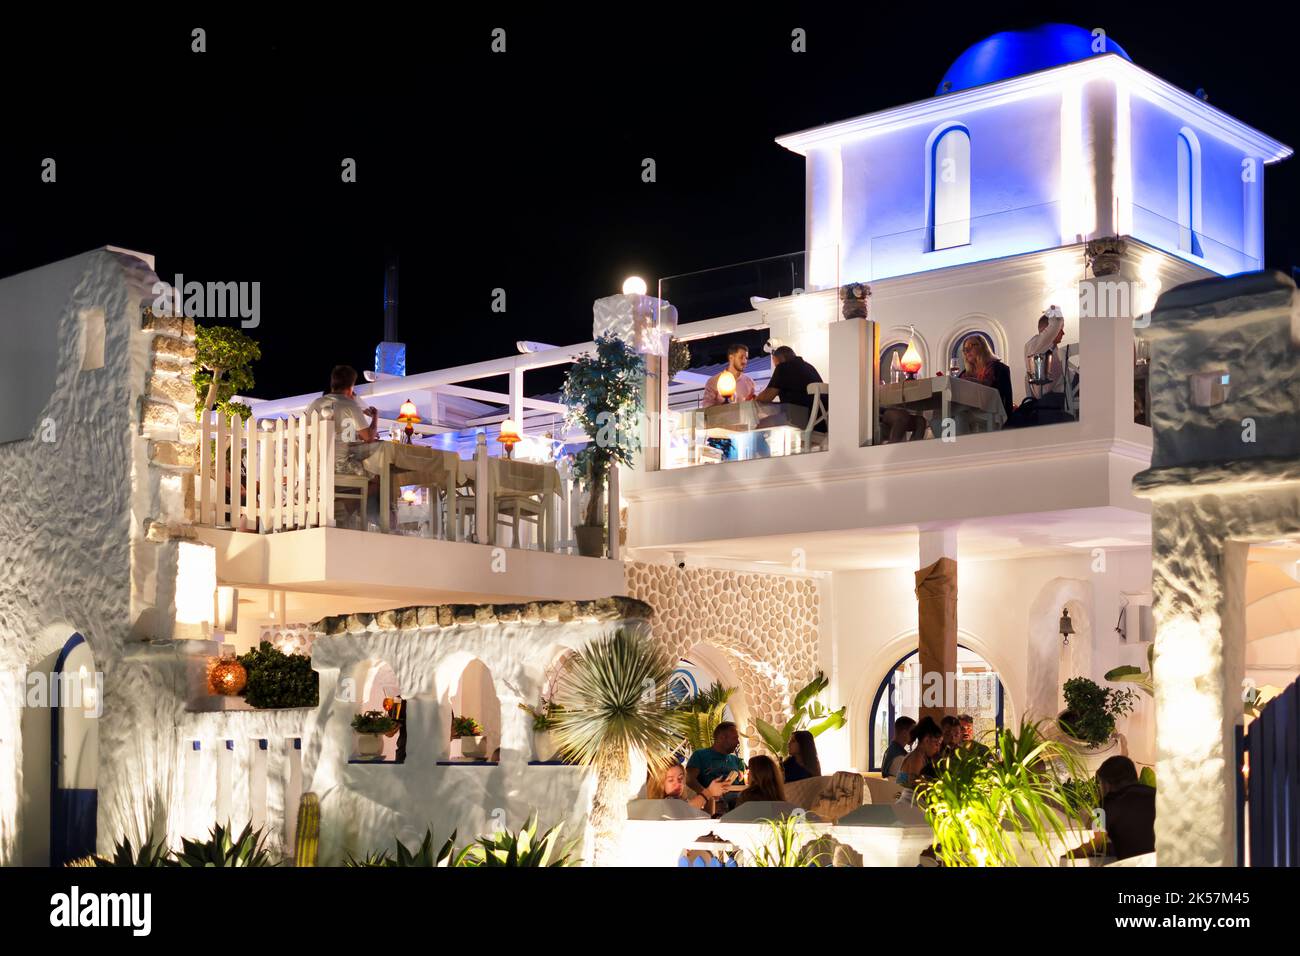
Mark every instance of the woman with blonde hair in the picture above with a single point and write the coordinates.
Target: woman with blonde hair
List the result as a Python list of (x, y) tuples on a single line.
[(983, 367), (765, 781), (670, 784)]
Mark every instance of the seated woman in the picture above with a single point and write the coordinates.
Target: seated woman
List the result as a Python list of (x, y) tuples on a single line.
[(802, 762), (670, 784), (918, 765), (983, 367), (765, 781)]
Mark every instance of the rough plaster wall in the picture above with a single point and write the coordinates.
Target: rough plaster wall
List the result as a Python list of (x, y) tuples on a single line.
[(767, 625), (65, 508), (365, 806)]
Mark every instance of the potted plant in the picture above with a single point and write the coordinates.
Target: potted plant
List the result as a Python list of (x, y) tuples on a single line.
[(371, 726), (809, 714), (543, 715), (469, 732), (603, 394), (1091, 711)]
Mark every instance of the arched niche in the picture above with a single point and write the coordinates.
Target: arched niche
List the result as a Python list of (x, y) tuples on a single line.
[(466, 688), (1048, 655), (379, 689)]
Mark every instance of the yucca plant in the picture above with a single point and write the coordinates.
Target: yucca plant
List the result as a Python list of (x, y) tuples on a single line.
[(425, 856), (1026, 793), (615, 708), (524, 848), (221, 849), (788, 842)]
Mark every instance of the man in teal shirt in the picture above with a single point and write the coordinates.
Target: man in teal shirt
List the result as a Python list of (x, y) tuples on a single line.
[(710, 763)]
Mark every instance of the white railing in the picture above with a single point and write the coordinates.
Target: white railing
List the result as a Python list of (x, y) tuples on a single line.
[(271, 474)]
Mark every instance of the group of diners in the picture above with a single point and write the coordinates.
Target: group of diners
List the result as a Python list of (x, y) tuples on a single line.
[(715, 779)]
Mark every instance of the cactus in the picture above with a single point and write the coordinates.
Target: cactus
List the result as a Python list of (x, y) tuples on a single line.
[(307, 838)]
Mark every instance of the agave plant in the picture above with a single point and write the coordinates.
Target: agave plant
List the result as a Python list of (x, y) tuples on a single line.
[(524, 848), (615, 710), (809, 714), (445, 856), (1027, 793), (221, 849), (150, 854)]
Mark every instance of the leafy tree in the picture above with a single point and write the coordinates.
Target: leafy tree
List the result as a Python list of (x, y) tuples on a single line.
[(222, 369), (603, 393)]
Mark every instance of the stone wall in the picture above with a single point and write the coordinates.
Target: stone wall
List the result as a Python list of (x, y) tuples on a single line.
[(766, 625)]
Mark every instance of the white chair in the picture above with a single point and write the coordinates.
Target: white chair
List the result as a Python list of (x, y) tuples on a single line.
[(461, 506), (515, 511), (352, 488), (818, 413)]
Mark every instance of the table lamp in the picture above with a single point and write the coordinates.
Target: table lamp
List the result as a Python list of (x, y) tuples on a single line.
[(911, 361), (727, 386), (409, 417), (509, 436)]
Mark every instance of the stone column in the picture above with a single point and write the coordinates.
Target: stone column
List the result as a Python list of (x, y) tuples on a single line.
[(936, 614)]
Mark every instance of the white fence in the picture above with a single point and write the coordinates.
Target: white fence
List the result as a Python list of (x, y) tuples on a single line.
[(272, 474)]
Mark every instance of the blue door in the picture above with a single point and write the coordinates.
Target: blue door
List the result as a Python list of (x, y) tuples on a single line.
[(73, 754)]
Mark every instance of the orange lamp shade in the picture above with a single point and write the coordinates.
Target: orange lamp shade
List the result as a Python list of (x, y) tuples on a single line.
[(726, 385), (509, 431), (911, 361), (227, 677), (409, 415)]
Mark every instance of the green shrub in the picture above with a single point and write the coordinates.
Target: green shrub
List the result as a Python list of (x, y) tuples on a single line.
[(277, 679), (373, 722), (1091, 710)]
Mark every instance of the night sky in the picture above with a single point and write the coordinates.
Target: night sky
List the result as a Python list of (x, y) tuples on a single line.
[(518, 171)]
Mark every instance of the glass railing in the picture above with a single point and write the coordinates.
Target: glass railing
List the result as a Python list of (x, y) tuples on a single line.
[(741, 286), (1193, 245)]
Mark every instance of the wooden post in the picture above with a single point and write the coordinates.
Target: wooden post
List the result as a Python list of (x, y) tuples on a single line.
[(205, 471), (251, 474), (484, 519), (327, 439)]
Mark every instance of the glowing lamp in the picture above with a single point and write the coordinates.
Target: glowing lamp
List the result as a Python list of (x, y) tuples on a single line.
[(509, 435), (634, 285), (409, 417), (227, 676), (727, 386), (911, 361)]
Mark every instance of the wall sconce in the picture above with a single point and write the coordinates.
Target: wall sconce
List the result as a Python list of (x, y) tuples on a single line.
[(508, 436), (410, 417), (1067, 626), (727, 386)]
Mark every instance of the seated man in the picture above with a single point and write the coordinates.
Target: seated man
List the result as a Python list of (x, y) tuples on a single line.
[(1051, 329), (897, 748), (350, 425), (1129, 813), (968, 736), (790, 379), (737, 359), (720, 760)]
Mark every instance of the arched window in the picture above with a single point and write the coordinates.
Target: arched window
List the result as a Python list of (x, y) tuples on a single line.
[(955, 357), (1189, 192), (978, 687), (950, 189)]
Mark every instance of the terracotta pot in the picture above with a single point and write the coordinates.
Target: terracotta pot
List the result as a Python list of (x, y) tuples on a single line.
[(591, 541)]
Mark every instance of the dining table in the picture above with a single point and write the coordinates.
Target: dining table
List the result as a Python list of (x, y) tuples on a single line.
[(397, 464), (969, 405), (776, 425), (516, 478)]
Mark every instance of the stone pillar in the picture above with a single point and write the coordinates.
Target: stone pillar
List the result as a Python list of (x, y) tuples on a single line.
[(936, 614)]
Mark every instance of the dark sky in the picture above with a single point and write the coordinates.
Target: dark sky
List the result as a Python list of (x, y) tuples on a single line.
[(519, 171)]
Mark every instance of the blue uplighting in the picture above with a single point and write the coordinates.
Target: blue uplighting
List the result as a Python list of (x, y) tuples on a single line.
[(1017, 52)]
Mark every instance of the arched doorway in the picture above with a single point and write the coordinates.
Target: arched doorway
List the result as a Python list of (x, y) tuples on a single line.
[(978, 687), (60, 724)]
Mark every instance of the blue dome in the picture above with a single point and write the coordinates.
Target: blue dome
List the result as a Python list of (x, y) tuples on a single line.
[(1017, 52)]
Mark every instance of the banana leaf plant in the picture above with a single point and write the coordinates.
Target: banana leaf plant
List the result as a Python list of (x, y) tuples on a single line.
[(1131, 674), (808, 714)]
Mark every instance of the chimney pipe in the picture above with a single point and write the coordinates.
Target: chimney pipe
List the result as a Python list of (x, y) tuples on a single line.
[(390, 301)]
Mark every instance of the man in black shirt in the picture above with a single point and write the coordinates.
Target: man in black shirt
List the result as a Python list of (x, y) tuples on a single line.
[(790, 379), (1129, 810)]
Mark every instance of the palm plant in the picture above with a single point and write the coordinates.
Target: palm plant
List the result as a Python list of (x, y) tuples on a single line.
[(524, 848), (699, 716), (221, 849), (615, 710), (1026, 793)]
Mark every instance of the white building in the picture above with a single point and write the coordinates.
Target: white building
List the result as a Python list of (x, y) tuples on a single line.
[(969, 213)]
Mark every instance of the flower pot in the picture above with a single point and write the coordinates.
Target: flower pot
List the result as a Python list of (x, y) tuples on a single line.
[(543, 745), (591, 541), (370, 745), (473, 748)]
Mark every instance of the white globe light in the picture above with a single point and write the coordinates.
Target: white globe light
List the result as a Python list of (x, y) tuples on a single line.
[(634, 285)]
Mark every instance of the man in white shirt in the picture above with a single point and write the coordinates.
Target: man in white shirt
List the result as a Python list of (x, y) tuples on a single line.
[(350, 425), (737, 359), (1051, 329)]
